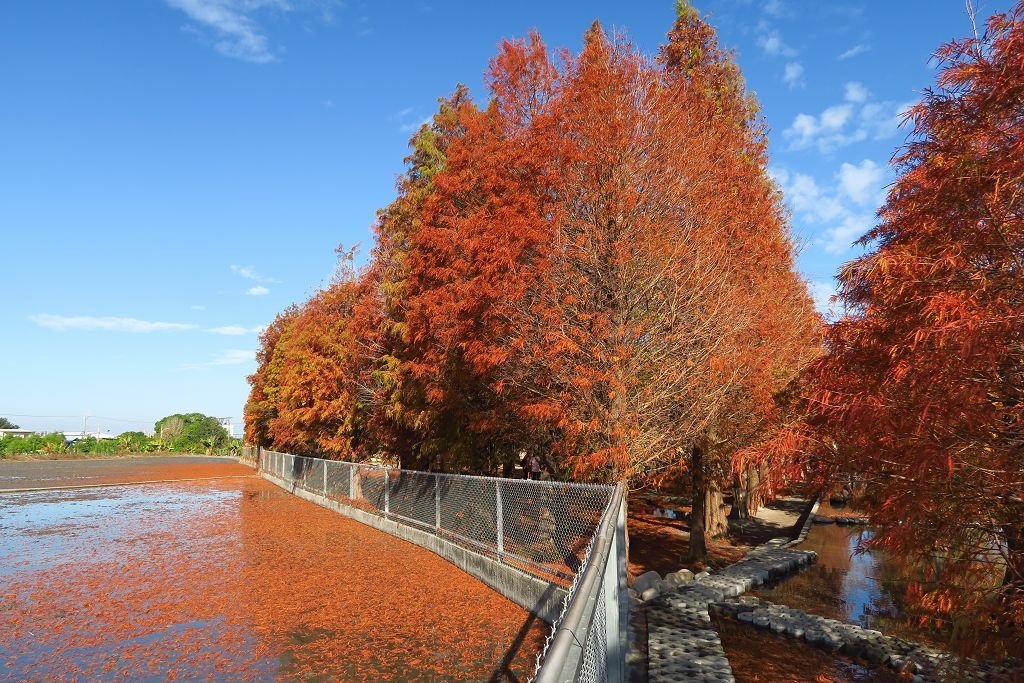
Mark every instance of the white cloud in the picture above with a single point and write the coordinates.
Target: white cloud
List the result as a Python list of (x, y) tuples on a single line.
[(793, 75), (232, 25), (854, 120), (233, 357), (414, 125), (227, 357), (837, 213), (258, 290), (773, 45), (773, 7), (839, 238), (822, 292), (862, 182), (858, 49), (835, 117), (63, 323), (883, 119), (855, 92), (806, 197), (236, 330), (249, 273)]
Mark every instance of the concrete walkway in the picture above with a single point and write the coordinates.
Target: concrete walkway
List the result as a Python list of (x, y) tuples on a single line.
[(682, 645), (775, 519)]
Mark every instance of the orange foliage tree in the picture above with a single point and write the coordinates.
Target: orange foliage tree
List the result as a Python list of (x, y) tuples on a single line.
[(306, 395), (922, 389)]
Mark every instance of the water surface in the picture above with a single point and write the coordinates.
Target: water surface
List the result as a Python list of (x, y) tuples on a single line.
[(236, 580)]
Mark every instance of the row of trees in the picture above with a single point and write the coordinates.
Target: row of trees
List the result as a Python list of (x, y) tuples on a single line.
[(595, 265), (190, 433)]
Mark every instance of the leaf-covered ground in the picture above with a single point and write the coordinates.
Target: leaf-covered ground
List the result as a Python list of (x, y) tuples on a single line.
[(234, 579)]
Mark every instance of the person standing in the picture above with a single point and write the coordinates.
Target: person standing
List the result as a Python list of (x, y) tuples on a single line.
[(534, 470)]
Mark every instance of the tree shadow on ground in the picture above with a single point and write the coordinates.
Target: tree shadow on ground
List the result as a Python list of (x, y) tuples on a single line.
[(504, 670), (755, 531)]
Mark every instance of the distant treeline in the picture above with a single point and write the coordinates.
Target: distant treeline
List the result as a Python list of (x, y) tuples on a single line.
[(179, 433)]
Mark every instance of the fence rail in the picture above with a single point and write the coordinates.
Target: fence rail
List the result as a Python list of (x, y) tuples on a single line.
[(560, 532)]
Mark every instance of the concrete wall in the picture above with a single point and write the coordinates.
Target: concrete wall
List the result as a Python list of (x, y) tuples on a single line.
[(539, 597)]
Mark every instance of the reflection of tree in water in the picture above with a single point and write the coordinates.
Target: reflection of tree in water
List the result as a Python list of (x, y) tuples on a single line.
[(820, 588), (870, 588), (963, 633)]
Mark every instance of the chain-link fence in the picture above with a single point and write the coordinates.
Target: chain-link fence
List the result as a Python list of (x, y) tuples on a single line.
[(249, 455), (543, 528)]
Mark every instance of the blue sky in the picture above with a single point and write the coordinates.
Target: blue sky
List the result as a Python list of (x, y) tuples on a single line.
[(174, 172)]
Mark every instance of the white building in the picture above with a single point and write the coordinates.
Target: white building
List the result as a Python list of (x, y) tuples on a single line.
[(16, 433)]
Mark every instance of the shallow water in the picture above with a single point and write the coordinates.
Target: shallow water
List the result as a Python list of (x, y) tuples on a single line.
[(867, 588), (235, 580), (758, 656)]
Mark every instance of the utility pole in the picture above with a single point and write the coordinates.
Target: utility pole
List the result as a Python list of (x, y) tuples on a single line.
[(85, 425)]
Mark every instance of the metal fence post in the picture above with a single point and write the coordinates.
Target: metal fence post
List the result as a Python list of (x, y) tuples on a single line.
[(352, 482), (501, 520), (325, 477), (610, 594), (387, 494), (437, 504)]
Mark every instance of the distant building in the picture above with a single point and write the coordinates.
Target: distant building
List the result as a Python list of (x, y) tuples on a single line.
[(16, 433), (100, 436), (225, 422)]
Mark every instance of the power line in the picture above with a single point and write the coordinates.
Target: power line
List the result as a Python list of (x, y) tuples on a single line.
[(75, 417), (53, 416)]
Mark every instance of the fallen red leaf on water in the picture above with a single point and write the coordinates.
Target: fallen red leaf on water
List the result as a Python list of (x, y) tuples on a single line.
[(231, 578)]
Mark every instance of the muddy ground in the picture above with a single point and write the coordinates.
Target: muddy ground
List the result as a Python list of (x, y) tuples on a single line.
[(29, 474)]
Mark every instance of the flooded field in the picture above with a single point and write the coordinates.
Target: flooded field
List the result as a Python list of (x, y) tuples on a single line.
[(233, 579)]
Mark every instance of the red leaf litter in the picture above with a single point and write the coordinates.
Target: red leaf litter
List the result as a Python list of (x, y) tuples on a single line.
[(234, 579)]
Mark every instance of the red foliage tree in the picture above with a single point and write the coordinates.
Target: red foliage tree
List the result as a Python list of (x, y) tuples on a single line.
[(261, 408), (922, 390), (402, 418)]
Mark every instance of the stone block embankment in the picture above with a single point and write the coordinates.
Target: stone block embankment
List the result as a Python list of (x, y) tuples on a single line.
[(923, 663), (681, 643)]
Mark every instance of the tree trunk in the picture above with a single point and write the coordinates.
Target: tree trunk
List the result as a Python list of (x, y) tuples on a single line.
[(755, 496), (698, 549), (1013, 578), (739, 499), (715, 522)]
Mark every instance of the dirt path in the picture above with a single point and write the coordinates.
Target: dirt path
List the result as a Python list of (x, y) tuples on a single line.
[(659, 544), (33, 474)]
